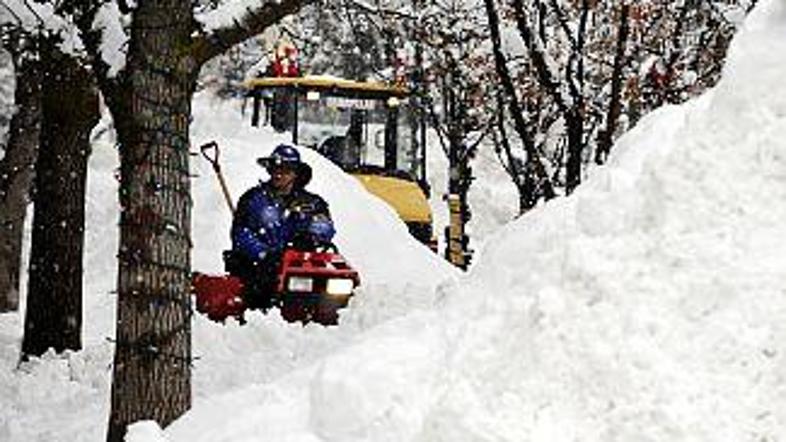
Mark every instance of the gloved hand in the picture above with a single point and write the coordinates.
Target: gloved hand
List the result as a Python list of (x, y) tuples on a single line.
[(322, 230)]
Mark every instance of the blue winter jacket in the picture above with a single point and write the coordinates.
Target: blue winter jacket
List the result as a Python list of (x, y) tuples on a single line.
[(266, 222)]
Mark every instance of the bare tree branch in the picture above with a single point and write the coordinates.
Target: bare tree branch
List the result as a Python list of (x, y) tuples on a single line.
[(562, 19), (509, 89), (379, 10), (545, 76), (32, 11), (615, 106), (576, 82), (11, 11)]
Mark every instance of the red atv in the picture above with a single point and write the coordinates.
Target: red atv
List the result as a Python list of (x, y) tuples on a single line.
[(309, 286)]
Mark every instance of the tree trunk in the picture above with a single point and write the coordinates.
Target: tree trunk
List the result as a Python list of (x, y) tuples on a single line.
[(54, 301), (575, 124), (151, 378), (16, 176), (606, 136), (513, 166)]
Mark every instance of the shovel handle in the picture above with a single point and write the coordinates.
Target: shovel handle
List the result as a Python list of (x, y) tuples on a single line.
[(210, 152)]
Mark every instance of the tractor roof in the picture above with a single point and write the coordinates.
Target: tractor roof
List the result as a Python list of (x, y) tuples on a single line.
[(331, 85)]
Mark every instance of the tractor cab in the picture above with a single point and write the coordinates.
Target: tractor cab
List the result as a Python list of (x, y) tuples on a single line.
[(371, 130)]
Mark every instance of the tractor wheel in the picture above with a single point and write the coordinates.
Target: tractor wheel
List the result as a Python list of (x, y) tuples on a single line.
[(326, 313), (293, 311)]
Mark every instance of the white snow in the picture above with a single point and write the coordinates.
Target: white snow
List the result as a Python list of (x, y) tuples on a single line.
[(114, 39), (229, 12), (647, 306), (36, 17)]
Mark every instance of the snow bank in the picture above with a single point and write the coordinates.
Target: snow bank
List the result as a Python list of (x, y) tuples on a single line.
[(647, 306)]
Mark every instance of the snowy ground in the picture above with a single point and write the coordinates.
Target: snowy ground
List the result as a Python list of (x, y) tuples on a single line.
[(648, 306)]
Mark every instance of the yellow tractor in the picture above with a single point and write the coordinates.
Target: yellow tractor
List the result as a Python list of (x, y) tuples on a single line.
[(371, 130)]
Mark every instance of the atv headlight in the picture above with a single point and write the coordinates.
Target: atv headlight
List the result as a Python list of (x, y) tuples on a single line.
[(339, 286), (300, 284)]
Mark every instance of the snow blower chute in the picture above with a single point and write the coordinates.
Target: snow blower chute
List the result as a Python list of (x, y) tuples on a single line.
[(311, 284)]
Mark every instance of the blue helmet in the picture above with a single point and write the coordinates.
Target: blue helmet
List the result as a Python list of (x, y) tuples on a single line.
[(286, 154)]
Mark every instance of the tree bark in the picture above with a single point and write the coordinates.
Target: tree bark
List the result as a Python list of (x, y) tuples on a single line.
[(151, 378), (53, 316), (16, 176)]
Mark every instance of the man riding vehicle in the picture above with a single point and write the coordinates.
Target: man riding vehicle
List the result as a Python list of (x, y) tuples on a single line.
[(272, 216)]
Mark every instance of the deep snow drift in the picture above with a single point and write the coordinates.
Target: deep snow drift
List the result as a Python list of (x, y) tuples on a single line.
[(648, 306)]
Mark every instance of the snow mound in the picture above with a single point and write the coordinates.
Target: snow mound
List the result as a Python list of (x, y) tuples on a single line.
[(647, 306), (650, 304)]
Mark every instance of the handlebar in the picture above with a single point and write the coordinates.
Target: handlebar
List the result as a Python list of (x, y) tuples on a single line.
[(213, 160)]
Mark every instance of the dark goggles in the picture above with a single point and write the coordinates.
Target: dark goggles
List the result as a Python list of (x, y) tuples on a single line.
[(283, 166)]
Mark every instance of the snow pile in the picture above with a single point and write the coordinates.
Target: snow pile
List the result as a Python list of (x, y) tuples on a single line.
[(648, 306), (145, 431)]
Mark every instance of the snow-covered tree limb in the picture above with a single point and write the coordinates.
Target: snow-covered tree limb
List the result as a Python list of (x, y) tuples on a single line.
[(250, 22), (507, 85), (380, 10), (539, 58), (102, 37)]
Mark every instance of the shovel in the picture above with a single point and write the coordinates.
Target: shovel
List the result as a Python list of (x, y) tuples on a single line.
[(211, 152)]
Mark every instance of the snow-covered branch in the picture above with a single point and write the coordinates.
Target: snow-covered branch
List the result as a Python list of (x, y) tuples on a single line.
[(539, 58), (114, 39), (104, 40), (36, 18), (233, 23), (402, 13)]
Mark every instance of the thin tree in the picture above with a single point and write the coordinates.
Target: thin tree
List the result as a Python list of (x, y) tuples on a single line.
[(567, 92), (53, 317), (17, 166), (606, 136), (534, 165)]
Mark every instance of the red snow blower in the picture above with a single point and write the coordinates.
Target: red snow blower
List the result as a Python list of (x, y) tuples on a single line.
[(311, 285)]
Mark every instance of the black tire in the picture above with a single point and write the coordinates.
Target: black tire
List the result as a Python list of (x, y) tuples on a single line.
[(293, 311), (326, 313)]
